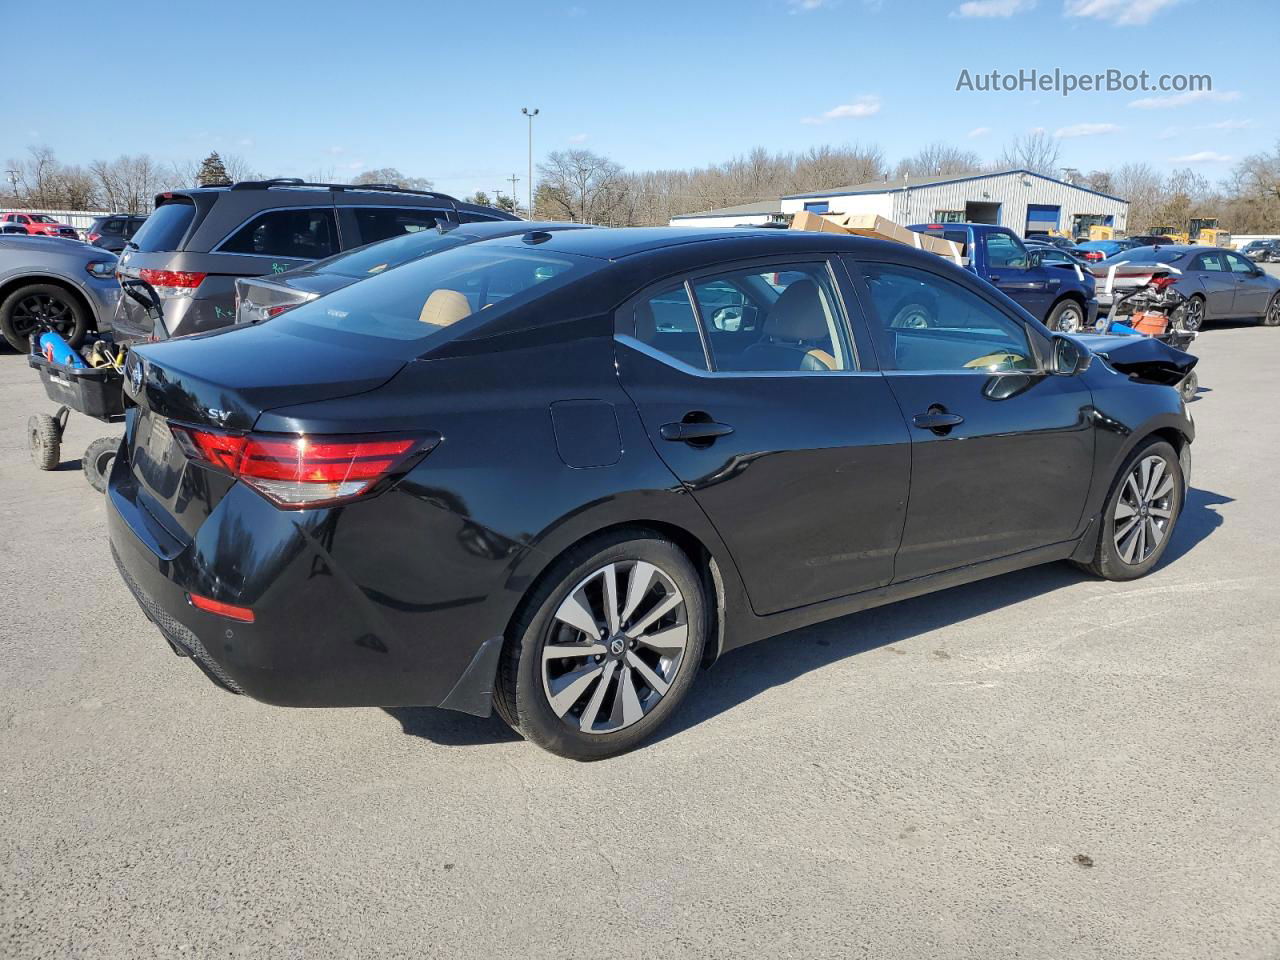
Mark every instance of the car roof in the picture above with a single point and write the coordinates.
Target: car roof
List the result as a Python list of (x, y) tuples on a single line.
[(505, 228), (616, 243)]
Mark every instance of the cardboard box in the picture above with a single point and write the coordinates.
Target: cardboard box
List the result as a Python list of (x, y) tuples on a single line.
[(882, 228), (804, 220)]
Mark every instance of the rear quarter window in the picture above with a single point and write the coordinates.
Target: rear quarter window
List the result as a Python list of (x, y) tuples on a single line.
[(165, 229), (297, 234)]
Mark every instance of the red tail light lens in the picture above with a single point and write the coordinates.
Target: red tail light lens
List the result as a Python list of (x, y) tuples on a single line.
[(243, 614), (94, 237), (298, 472), (172, 283), (1161, 282), (1093, 255)]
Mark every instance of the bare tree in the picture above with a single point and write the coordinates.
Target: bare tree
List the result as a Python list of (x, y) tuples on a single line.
[(394, 176), (1143, 188), (1035, 151), (579, 185), (937, 159), (1100, 180)]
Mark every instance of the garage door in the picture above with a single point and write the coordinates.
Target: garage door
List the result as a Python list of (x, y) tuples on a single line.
[(1041, 218)]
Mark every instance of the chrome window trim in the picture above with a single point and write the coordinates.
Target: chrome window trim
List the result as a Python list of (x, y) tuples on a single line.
[(675, 363)]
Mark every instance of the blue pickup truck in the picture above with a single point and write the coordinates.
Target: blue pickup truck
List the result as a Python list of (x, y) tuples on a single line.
[(1061, 296)]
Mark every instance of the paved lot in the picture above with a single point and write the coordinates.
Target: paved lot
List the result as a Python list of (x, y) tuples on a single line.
[(1039, 766)]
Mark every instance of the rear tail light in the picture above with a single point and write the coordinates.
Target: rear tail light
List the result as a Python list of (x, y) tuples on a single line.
[(1165, 281), (297, 472), (94, 237), (1093, 255), (172, 283)]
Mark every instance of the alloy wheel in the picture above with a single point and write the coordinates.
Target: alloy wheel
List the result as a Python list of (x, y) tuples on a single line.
[(1070, 321), (1194, 315), (1144, 510), (614, 647), (31, 312), (1272, 316)]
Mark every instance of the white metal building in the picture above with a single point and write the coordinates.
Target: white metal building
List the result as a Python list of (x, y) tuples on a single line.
[(754, 214), (1029, 203)]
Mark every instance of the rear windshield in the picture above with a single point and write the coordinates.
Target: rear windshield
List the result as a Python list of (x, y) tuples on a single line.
[(376, 257), (165, 228), (1148, 255), (423, 298)]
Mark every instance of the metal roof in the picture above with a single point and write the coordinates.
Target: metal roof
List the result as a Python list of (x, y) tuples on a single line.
[(742, 209), (895, 184)]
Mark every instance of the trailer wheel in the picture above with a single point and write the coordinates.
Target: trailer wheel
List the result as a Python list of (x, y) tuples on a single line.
[(44, 440), (1189, 387), (98, 458)]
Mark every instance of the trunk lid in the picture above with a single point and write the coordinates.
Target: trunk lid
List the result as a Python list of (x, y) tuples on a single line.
[(225, 380)]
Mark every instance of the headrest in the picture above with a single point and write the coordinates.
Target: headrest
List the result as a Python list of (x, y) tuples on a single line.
[(444, 307), (798, 314)]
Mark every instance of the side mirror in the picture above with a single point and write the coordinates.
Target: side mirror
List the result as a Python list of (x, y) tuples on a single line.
[(1069, 358)]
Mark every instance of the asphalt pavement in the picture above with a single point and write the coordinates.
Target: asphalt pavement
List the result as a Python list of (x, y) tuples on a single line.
[(1040, 766)]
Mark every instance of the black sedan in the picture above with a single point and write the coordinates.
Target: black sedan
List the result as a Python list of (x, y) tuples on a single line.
[(260, 298), (557, 473)]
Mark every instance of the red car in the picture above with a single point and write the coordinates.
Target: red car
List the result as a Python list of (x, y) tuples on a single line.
[(41, 223)]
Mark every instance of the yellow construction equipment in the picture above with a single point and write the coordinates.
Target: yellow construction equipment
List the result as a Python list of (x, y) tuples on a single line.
[(1099, 232)]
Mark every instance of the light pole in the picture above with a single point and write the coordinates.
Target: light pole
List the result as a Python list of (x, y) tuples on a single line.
[(530, 114)]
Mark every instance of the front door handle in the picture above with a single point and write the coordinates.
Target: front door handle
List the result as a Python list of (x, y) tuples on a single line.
[(694, 431), (937, 420)]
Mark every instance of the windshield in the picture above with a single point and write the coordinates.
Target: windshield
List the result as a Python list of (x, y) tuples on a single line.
[(377, 257), (424, 297)]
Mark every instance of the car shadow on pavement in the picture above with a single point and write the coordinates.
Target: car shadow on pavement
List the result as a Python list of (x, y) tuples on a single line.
[(749, 671)]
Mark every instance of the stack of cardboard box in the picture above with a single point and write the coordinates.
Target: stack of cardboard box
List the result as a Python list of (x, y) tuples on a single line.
[(873, 225)]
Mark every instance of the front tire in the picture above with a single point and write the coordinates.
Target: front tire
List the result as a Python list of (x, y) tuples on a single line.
[(24, 310), (1140, 513), (1272, 317), (606, 648)]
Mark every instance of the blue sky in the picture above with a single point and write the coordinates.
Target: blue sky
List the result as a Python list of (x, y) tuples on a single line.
[(436, 89)]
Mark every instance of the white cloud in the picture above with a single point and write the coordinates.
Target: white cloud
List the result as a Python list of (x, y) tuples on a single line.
[(1185, 99), (805, 6), (987, 9), (1229, 125), (978, 132), (579, 138), (864, 106), (1085, 130), (1204, 156), (1168, 133), (1123, 13)]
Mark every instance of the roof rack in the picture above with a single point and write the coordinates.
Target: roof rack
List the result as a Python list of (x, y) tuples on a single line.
[(340, 187)]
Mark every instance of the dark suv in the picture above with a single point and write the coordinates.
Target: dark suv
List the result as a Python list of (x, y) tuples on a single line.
[(112, 232), (184, 262)]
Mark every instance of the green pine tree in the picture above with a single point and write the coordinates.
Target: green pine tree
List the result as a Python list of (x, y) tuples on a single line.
[(212, 172)]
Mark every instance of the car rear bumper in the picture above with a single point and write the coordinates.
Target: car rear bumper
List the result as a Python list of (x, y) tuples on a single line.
[(318, 637)]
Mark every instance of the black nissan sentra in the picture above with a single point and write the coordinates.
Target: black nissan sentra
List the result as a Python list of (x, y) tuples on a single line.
[(558, 473)]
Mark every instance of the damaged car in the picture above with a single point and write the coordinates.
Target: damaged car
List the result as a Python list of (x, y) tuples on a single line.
[(557, 474)]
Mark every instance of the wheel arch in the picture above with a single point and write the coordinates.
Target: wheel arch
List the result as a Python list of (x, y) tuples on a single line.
[(8, 286)]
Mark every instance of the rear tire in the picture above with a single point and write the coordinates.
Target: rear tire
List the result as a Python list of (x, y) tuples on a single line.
[(1194, 314), (637, 662), (1143, 506), (97, 461), (1067, 317), (44, 440)]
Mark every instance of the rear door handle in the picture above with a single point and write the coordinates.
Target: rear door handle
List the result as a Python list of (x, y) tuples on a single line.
[(694, 431), (939, 421)]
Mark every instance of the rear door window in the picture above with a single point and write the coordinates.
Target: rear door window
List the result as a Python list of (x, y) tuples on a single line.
[(383, 223), (164, 230), (298, 234), (1211, 262)]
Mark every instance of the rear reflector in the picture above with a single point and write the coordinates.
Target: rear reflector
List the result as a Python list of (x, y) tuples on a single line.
[(298, 472), (243, 614), (172, 283)]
